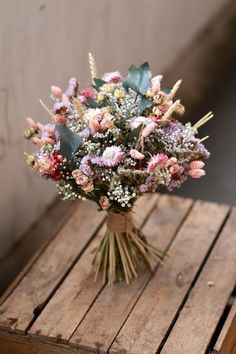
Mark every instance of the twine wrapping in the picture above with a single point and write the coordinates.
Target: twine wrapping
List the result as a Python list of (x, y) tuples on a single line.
[(120, 223)]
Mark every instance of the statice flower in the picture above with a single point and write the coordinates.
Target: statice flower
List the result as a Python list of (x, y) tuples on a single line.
[(112, 156)]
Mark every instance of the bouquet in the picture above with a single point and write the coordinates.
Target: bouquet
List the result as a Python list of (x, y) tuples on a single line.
[(112, 142)]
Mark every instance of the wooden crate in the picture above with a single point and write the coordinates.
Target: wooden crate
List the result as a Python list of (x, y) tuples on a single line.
[(183, 308)]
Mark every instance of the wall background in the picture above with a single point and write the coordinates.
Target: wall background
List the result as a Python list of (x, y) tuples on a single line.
[(46, 42)]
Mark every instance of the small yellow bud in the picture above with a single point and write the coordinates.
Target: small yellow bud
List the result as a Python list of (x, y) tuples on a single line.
[(119, 93), (30, 159), (150, 93), (108, 88), (156, 111), (100, 97), (29, 133)]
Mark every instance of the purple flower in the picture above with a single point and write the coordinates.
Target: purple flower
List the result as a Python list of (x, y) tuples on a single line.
[(72, 87), (85, 166)]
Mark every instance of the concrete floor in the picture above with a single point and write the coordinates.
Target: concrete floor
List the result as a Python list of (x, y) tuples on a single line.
[(220, 182)]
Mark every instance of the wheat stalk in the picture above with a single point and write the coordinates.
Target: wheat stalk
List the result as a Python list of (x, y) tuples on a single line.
[(93, 67), (78, 107), (45, 107)]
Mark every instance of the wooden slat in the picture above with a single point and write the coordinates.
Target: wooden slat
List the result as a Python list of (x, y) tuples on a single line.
[(208, 298), (37, 286), (78, 292), (158, 306), (113, 305), (11, 343), (226, 343)]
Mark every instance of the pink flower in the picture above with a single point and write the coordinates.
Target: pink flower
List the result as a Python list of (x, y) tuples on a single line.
[(148, 129), (174, 169), (56, 91), (88, 92), (47, 164), (197, 173), (112, 156), (60, 119), (156, 82), (100, 122), (31, 122), (172, 161), (112, 77), (87, 188), (196, 165), (135, 154), (37, 141), (104, 202), (157, 162), (80, 178)]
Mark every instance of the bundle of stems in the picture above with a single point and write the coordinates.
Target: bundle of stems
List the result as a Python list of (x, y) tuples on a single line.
[(119, 253)]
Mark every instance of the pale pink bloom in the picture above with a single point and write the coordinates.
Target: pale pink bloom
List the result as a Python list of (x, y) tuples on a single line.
[(148, 129), (104, 202), (180, 109), (37, 141), (82, 180), (164, 107), (48, 140), (112, 156), (197, 173), (157, 162), (31, 122), (196, 165), (49, 129), (76, 173), (100, 122), (156, 82), (40, 126), (65, 99), (82, 99), (60, 119), (112, 77), (46, 165), (56, 91), (135, 154), (87, 188), (174, 169), (172, 161)]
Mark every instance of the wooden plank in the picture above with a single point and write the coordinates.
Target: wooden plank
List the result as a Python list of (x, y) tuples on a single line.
[(37, 286), (103, 321), (38, 227), (78, 291), (226, 343), (208, 298), (159, 303), (11, 343)]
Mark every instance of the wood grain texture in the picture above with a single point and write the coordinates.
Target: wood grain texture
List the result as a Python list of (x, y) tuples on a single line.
[(208, 298), (17, 344), (226, 343), (37, 286), (153, 314), (111, 308), (78, 291)]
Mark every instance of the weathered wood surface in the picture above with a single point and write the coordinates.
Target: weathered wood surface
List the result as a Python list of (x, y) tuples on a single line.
[(18, 310), (226, 342), (173, 311), (78, 291)]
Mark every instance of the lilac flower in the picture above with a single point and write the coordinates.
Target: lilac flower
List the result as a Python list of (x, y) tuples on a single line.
[(112, 156), (85, 166), (72, 87)]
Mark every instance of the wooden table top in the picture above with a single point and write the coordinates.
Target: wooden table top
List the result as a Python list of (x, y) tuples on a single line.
[(54, 306)]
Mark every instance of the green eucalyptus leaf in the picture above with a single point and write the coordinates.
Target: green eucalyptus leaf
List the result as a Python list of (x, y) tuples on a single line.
[(69, 141), (143, 104), (98, 83), (129, 137), (166, 90), (138, 79), (91, 103)]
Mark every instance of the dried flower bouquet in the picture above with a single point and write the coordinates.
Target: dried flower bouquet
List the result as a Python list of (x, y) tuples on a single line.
[(111, 143)]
